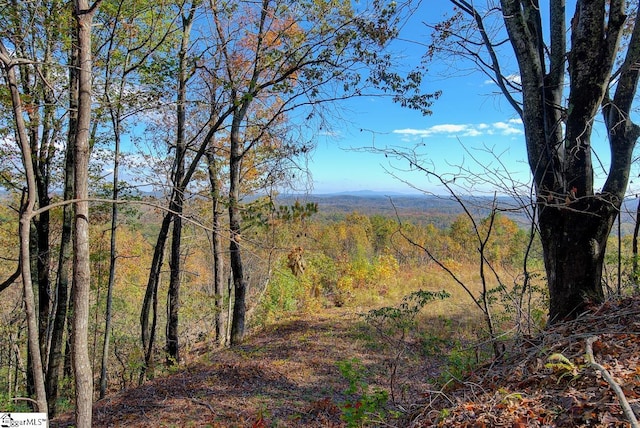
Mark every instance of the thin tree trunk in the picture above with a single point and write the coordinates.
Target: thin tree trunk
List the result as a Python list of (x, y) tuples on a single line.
[(81, 266), (67, 369), (239, 281), (43, 177), (56, 359), (26, 215), (216, 247), (149, 304), (42, 266), (636, 229), (173, 296), (113, 257)]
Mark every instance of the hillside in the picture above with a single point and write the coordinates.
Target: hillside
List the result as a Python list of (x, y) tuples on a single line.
[(289, 376), (286, 375), (422, 209), (547, 381)]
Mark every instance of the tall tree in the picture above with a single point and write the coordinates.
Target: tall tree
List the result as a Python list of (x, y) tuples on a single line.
[(285, 58), (575, 218), (216, 244), (83, 13), (180, 177), (173, 298), (132, 33), (26, 215), (56, 357)]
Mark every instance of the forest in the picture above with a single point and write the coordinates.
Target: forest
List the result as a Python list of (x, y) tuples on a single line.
[(149, 150)]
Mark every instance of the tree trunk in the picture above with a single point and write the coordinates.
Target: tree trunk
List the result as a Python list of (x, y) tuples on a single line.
[(175, 262), (56, 358), (216, 247), (239, 282), (42, 266), (44, 131), (235, 255), (113, 258), (149, 304), (574, 240), (634, 249), (173, 295), (81, 273), (26, 215)]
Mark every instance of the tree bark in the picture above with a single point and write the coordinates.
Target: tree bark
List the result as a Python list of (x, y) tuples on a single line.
[(575, 239), (634, 247), (235, 254), (175, 261), (113, 257), (574, 220), (26, 215), (236, 154), (149, 304), (81, 262), (216, 247), (56, 358)]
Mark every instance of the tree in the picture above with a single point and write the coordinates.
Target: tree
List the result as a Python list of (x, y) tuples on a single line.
[(574, 217), (284, 58), (180, 176), (56, 358), (216, 245), (26, 215), (83, 14), (133, 32), (173, 298), (39, 34)]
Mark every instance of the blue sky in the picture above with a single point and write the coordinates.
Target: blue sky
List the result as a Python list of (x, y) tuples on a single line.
[(466, 123), (468, 115), (469, 120)]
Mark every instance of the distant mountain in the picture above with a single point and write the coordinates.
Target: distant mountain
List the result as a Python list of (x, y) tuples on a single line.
[(423, 209), (365, 193), (439, 210)]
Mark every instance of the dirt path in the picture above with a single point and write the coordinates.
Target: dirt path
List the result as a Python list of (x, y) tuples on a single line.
[(285, 376)]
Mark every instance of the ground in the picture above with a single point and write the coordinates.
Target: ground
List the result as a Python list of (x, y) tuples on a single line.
[(547, 381), (288, 376)]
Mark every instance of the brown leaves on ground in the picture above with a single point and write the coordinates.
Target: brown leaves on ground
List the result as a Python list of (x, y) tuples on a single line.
[(547, 382), (284, 376)]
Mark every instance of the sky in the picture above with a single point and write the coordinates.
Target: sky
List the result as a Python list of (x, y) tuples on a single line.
[(468, 115), (466, 124), (469, 122)]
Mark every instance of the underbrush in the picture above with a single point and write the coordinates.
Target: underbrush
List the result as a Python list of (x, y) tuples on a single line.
[(415, 315)]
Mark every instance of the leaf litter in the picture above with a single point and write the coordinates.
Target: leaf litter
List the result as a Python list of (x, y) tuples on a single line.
[(547, 381), (283, 376), (286, 376)]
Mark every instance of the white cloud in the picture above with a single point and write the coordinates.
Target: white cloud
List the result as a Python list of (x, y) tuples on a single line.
[(448, 129), (513, 78), (508, 128), (505, 128)]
